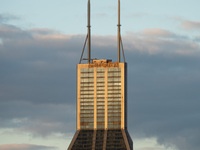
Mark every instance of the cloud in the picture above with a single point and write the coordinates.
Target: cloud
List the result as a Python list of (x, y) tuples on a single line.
[(159, 33), (159, 41), (197, 39), (5, 18), (37, 119), (9, 31), (38, 82), (151, 148), (188, 24), (25, 147), (191, 25)]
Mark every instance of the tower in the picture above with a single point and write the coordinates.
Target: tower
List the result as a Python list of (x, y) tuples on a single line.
[(102, 101)]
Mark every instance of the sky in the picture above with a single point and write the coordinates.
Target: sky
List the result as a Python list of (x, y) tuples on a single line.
[(40, 45)]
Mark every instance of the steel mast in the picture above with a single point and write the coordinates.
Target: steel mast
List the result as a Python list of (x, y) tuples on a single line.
[(89, 34), (118, 34)]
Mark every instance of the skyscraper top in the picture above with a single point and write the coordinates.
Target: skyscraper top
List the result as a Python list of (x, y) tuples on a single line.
[(102, 102)]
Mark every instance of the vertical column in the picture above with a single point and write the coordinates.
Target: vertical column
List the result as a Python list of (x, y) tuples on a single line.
[(94, 139), (106, 98), (121, 65), (78, 96), (105, 139), (95, 98)]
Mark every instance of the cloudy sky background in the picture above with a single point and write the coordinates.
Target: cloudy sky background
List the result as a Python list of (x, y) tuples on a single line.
[(41, 43)]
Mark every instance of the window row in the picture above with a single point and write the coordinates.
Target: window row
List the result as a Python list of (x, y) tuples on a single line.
[(114, 69), (87, 115), (111, 126), (91, 80), (87, 107), (114, 88), (87, 99), (110, 84), (114, 119), (100, 126), (87, 96), (87, 111), (100, 114), (100, 75), (112, 106), (87, 75), (85, 125), (100, 107), (86, 87), (87, 69), (114, 80), (115, 75), (114, 110), (101, 80), (100, 119), (87, 104), (114, 103), (114, 114), (116, 93), (87, 92), (100, 102), (101, 88), (87, 119)]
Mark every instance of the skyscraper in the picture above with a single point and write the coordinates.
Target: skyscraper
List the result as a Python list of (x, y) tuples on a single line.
[(102, 102)]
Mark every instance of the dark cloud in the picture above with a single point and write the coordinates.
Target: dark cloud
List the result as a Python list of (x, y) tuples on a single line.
[(25, 147), (38, 119), (5, 18), (12, 32), (38, 83)]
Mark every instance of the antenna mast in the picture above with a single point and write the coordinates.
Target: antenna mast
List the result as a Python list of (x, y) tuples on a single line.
[(89, 35), (118, 34)]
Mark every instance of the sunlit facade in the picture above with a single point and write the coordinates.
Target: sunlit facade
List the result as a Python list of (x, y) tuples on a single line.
[(101, 88)]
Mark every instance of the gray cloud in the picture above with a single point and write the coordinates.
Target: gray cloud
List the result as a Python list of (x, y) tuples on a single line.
[(197, 39), (160, 33), (37, 119), (191, 25), (5, 18), (188, 24), (25, 147), (12, 32), (38, 83)]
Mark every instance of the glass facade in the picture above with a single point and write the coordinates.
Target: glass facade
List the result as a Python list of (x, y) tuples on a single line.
[(107, 82), (87, 98), (100, 98), (114, 97)]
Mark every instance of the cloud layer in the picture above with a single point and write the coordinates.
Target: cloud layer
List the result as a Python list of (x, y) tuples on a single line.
[(25, 147), (38, 83)]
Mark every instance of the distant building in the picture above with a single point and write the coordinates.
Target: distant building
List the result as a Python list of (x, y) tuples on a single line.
[(101, 103)]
